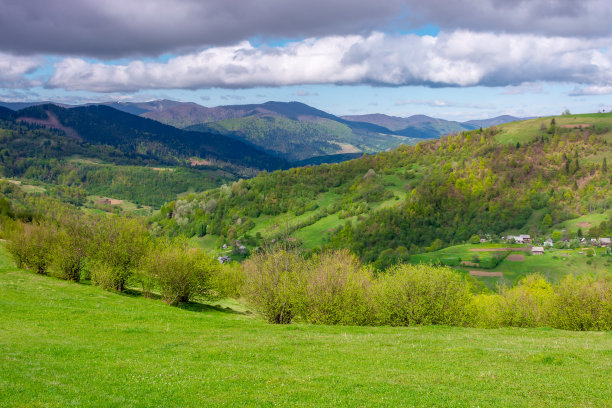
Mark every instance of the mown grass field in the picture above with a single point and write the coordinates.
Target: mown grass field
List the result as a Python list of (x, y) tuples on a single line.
[(64, 344)]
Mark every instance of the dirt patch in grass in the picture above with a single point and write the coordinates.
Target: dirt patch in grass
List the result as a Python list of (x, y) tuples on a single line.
[(498, 249), (584, 224), (485, 273), (516, 257), (109, 201), (199, 162), (576, 125)]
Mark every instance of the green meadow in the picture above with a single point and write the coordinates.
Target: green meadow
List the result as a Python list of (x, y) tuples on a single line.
[(64, 344), (554, 264)]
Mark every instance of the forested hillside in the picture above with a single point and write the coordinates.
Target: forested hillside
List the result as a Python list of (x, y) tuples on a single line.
[(98, 150), (524, 176)]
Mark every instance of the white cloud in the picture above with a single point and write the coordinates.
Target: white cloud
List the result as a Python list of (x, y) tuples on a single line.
[(13, 68), (592, 90), (460, 58)]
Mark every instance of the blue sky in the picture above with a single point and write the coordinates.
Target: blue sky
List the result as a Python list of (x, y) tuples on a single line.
[(456, 60)]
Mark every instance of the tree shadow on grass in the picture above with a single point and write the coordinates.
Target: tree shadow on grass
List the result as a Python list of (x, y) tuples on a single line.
[(203, 307), (189, 306)]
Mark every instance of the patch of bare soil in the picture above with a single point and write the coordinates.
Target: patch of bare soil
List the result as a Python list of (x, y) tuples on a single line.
[(516, 257), (576, 125), (109, 201), (52, 122), (485, 273), (346, 148), (468, 263), (498, 249), (584, 224), (201, 162)]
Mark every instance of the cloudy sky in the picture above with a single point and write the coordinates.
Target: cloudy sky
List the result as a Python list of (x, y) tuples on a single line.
[(461, 59)]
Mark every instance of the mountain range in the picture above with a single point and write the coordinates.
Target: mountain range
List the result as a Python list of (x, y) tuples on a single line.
[(295, 131), (138, 139)]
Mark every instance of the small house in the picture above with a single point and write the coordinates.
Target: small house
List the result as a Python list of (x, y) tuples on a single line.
[(525, 238), (548, 243), (537, 251), (224, 259), (604, 242)]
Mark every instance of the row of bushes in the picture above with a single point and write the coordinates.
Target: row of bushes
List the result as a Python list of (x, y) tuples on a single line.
[(325, 288), (333, 288), (113, 252)]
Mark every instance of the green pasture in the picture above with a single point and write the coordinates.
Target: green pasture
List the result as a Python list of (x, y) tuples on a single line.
[(554, 264), (66, 345), (524, 131)]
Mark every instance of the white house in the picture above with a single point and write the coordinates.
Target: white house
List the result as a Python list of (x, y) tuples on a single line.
[(604, 242), (548, 243), (520, 239), (537, 251)]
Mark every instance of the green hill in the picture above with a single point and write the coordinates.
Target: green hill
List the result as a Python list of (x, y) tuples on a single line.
[(303, 139), (97, 150), (67, 344), (389, 206)]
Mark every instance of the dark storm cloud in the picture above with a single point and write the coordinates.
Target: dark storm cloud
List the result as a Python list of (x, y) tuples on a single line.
[(115, 28), (579, 18)]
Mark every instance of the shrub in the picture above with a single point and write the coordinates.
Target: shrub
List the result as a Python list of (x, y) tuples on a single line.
[(70, 247), (30, 246), (528, 304), (486, 310), (583, 303), (119, 243), (179, 272), (107, 275), (338, 290), (421, 295), (273, 282), (228, 280)]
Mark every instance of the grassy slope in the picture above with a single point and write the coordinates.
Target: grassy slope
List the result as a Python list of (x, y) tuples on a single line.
[(66, 344), (523, 131), (511, 133)]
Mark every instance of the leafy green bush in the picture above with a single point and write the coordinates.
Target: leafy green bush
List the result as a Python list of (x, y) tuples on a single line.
[(583, 303), (180, 273), (409, 295), (70, 247), (30, 245), (228, 280), (273, 283), (108, 276), (486, 310), (117, 246), (528, 304), (338, 290)]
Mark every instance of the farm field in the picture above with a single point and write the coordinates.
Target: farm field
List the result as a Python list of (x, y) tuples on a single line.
[(133, 351), (553, 264), (585, 222)]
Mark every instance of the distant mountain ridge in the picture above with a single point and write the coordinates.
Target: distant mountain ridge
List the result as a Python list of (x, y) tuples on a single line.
[(295, 131), (498, 120), (135, 136)]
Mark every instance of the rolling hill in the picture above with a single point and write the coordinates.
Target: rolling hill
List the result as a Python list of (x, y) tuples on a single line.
[(291, 130), (390, 206), (136, 136), (99, 151)]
